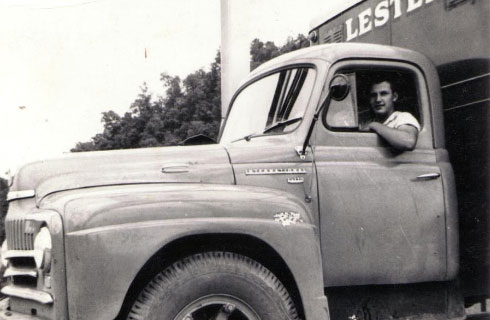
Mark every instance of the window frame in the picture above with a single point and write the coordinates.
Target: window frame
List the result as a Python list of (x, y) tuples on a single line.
[(304, 65), (410, 75), (327, 136)]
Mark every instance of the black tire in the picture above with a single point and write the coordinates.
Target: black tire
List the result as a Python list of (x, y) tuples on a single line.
[(214, 285)]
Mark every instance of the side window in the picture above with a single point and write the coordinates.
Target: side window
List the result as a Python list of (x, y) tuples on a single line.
[(271, 105), (358, 109)]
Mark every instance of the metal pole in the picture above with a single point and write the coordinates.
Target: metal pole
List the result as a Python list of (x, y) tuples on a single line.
[(235, 50)]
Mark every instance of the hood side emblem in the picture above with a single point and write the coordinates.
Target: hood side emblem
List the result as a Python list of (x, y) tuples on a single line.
[(252, 172), (296, 180)]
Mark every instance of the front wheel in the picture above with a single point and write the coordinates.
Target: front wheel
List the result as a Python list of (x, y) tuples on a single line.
[(214, 286)]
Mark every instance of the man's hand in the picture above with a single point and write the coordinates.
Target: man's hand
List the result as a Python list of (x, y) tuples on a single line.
[(403, 138)]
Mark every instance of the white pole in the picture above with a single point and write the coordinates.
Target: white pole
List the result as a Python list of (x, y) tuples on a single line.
[(235, 51)]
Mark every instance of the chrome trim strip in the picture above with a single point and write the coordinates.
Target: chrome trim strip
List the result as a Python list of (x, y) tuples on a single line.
[(428, 176), (465, 80), (18, 254), (254, 172), (21, 194), (27, 293), (175, 168), (11, 271), (466, 105), (37, 255)]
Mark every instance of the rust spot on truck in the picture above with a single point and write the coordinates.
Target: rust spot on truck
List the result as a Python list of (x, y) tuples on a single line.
[(288, 218)]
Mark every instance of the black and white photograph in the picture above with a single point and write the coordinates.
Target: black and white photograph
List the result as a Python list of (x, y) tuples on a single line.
[(245, 159)]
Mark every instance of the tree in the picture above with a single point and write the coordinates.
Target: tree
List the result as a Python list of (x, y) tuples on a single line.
[(139, 127), (261, 52), (188, 107), (4, 189)]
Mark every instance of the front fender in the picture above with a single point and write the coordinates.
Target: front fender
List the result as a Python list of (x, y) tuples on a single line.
[(91, 208), (120, 231)]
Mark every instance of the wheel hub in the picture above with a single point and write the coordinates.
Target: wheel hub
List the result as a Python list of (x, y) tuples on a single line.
[(217, 307)]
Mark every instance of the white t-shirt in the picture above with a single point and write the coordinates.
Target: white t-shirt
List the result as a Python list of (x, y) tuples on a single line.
[(397, 119)]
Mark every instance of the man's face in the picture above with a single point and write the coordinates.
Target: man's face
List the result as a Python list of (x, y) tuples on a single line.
[(382, 99)]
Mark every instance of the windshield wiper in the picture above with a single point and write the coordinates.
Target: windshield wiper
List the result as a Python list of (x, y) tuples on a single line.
[(248, 137), (268, 129), (282, 124)]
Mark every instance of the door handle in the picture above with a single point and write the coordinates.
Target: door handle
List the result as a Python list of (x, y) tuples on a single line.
[(175, 168), (428, 176)]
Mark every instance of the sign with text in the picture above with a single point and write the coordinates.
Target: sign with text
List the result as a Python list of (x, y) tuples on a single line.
[(378, 16)]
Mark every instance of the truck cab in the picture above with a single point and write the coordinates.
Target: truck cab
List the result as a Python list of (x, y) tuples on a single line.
[(453, 34), (297, 202)]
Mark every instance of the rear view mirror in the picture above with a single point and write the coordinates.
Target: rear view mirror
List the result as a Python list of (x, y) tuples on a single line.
[(342, 110), (339, 87)]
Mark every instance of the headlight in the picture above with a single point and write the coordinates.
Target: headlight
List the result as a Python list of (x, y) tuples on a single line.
[(5, 262), (42, 243)]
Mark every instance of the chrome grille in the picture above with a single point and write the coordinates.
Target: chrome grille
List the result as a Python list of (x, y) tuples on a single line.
[(28, 270), (17, 239)]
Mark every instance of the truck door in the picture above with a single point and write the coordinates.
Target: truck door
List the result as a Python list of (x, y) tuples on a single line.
[(381, 210)]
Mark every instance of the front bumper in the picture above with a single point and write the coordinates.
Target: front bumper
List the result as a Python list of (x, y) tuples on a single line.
[(6, 314)]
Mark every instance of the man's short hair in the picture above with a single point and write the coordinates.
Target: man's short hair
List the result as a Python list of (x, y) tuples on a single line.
[(379, 77)]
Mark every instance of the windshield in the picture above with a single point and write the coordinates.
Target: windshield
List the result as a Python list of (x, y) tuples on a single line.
[(273, 104)]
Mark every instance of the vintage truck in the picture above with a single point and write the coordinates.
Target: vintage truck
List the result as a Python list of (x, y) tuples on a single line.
[(294, 205)]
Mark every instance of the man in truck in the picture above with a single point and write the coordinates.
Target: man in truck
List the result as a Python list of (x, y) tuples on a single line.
[(399, 129)]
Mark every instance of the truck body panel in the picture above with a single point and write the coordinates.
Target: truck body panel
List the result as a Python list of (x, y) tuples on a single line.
[(370, 241), (201, 164), (150, 217), (454, 34)]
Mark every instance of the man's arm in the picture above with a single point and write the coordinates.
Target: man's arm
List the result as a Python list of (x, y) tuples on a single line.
[(403, 138)]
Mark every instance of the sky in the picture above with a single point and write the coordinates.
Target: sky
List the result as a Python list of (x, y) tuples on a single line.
[(64, 62)]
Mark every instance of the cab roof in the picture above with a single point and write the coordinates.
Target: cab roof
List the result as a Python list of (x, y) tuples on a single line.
[(339, 51), (330, 53)]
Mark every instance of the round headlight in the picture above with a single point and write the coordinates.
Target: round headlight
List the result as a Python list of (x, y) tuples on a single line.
[(42, 243)]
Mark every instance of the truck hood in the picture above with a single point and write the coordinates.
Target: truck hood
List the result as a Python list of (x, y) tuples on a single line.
[(189, 164)]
